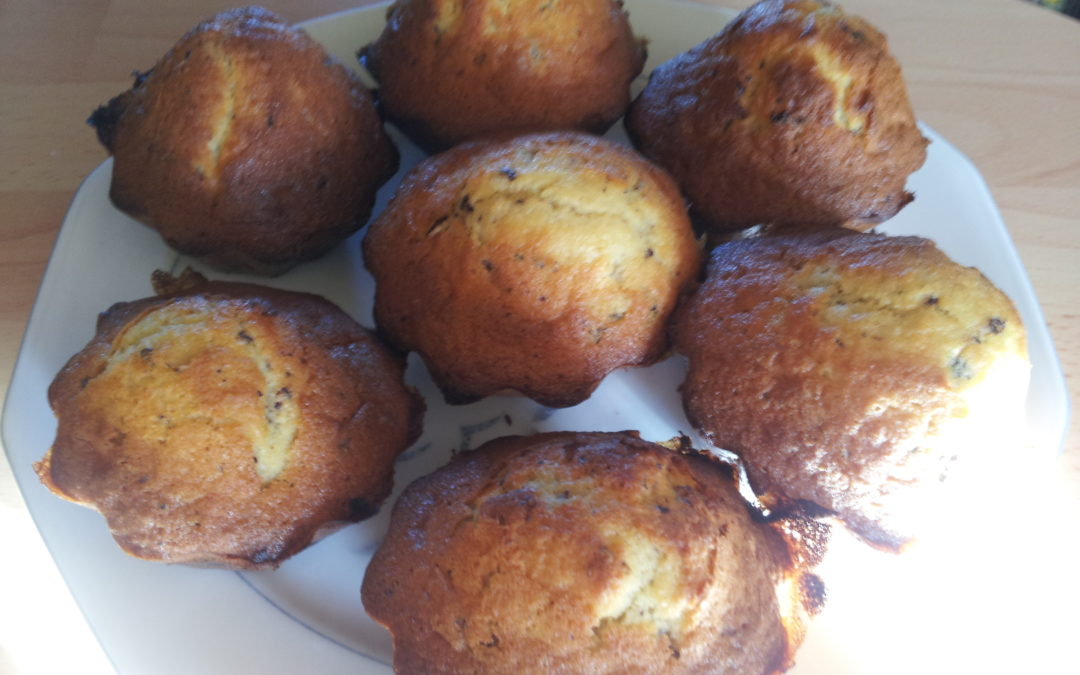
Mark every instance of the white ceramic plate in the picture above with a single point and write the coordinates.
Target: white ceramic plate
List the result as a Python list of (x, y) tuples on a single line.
[(307, 616)]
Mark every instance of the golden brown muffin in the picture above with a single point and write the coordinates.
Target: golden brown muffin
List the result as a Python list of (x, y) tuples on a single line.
[(452, 70), (247, 146), (796, 113), (852, 370), (585, 553), (227, 424), (536, 264)]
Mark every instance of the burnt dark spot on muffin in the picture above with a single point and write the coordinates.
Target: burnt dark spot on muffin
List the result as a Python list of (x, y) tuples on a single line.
[(494, 642), (649, 253), (466, 205), (812, 593), (270, 121), (839, 343), (245, 337), (662, 509), (961, 369), (931, 301), (779, 116), (141, 76), (673, 647), (284, 391), (509, 173), (996, 325), (106, 118), (361, 508), (519, 257), (488, 265), (263, 555), (145, 352), (856, 34)]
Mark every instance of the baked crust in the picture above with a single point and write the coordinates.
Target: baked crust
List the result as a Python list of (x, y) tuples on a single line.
[(855, 371), (247, 146), (794, 114), (452, 70), (227, 424), (536, 264), (582, 553)]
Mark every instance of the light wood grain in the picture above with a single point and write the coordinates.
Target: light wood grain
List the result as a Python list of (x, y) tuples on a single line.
[(999, 78)]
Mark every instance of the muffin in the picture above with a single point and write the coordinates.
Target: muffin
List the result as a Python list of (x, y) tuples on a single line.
[(536, 264), (452, 70), (585, 553), (795, 114), (247, 146), (228, 424), (854, 371)]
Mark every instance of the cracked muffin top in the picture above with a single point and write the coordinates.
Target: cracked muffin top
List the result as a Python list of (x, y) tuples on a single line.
[(453, 70), (247, 146), (795, 114), (855, 371), (536, 264), (226, 424), (585, 553)]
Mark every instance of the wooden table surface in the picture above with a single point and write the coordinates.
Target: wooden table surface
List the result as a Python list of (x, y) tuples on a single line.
[(999, 78)]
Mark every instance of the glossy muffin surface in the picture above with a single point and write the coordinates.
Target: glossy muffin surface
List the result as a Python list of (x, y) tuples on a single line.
[(854, 371), (582, 552), (795, 114), (247, 146), (536, 264), (227, 424), (452, 70)]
